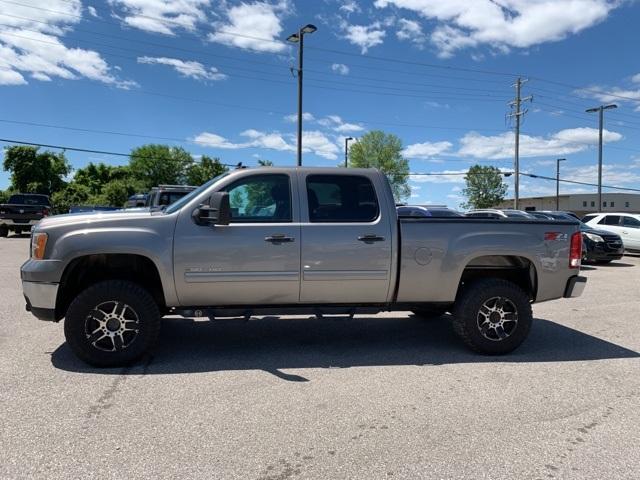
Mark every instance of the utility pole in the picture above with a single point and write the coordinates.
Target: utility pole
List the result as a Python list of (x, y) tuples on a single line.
[(600, 111), (558, 181), (517, 102), (346, 151), (299, 39)]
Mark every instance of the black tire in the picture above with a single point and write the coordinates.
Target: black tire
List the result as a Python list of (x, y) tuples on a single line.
[(4, 231), (430, 312), (137, 320), (492, 332)]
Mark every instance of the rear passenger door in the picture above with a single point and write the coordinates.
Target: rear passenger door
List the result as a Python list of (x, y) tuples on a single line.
[(611, 223), (630, 232), (346, 240)]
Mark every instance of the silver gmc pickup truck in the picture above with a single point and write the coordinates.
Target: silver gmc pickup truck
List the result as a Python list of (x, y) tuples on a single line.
[(319, 241)]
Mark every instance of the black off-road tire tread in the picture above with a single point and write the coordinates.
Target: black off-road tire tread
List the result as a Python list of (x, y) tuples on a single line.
[(465, 314), (145, 307)]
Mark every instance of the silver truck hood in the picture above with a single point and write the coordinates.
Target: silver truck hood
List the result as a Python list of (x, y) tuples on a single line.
[(92, 218)]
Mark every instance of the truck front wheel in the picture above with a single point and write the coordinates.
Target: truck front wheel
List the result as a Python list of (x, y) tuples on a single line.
[(112, 323), (492, 316)]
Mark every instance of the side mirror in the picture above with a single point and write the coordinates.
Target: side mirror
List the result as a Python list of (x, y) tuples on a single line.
[(218, 212)]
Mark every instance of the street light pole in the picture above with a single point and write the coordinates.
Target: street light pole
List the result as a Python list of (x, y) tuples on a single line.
[(600, 111), (299, 39), (558, 181), (346, 151)]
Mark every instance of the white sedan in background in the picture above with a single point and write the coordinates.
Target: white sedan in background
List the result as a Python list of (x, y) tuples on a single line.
[(627, 225)]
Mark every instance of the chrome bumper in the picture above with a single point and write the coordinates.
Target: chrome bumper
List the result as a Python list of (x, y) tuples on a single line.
[(13, 223), (41, 298)]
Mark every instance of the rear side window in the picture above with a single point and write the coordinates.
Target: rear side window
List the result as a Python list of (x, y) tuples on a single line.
[(588, 218), (631, 222), (610, 220), (341, 198)]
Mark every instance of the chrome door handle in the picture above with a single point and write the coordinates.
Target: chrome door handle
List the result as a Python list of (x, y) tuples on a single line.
[(370, 238), (279, 239)]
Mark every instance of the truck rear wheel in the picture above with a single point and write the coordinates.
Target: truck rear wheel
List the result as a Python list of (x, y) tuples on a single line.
[(112, 323), (492, 316)]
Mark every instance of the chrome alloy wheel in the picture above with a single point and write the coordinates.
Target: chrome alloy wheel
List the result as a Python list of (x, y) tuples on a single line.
[(497, 318), (111, 326)]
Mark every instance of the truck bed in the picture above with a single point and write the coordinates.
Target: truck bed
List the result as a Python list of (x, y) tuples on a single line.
[(437, 252)]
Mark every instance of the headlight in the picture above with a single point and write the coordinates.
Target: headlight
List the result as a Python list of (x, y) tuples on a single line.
[(594, 238), (38, 245)]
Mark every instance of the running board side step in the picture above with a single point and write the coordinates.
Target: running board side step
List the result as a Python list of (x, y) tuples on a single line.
[(325, 312)]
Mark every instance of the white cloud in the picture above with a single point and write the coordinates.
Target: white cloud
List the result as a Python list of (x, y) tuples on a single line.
[(349, 6), (312, 142), (411, 31), (446, 176), (618, 95), (340, 68), (186, 68), (505, 23), (364, 36), (563, 142), (92, 11), (161, 16), (306, 117), (426, 150), (252, 26), (336, 123), (35, 46)]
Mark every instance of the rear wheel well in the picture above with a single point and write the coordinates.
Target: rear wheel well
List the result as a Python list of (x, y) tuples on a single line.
[(514, 269), (82, 272)]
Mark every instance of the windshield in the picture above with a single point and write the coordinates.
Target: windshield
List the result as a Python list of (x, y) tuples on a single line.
[(174, 207)]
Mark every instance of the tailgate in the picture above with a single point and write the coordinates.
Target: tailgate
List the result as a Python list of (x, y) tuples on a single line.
[(21, 213)]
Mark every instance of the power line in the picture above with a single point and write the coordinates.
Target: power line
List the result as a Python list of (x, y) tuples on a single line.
[(87, 150)]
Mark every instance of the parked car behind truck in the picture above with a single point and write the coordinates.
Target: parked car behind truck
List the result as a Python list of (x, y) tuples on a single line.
[(292, 240), (23, 211)]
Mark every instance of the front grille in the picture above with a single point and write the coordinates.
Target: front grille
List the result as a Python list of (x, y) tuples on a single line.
[(612, 241)]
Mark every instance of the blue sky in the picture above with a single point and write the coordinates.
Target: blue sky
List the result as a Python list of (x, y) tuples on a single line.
[(213, 76)]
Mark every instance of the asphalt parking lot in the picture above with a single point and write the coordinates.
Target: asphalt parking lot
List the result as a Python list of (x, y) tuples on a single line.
[(390, 396)]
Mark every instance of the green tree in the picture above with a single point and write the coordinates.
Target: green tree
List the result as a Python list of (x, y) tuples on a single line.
[(71, 194), (200, 172), (383, 151), (96, 175), (116, 192), (484, 187), (153, 165), (36, 172)]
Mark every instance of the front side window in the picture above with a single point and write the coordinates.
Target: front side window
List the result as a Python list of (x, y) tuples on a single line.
[(260, 198), (588, 218), (631, 222), (341, 198), (610, 220)]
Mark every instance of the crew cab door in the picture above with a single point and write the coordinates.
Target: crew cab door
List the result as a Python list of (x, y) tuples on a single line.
[(346, 239), (630, 232), (255, 260)]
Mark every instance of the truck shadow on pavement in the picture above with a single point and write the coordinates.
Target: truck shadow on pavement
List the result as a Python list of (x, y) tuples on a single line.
[(271, 344)]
